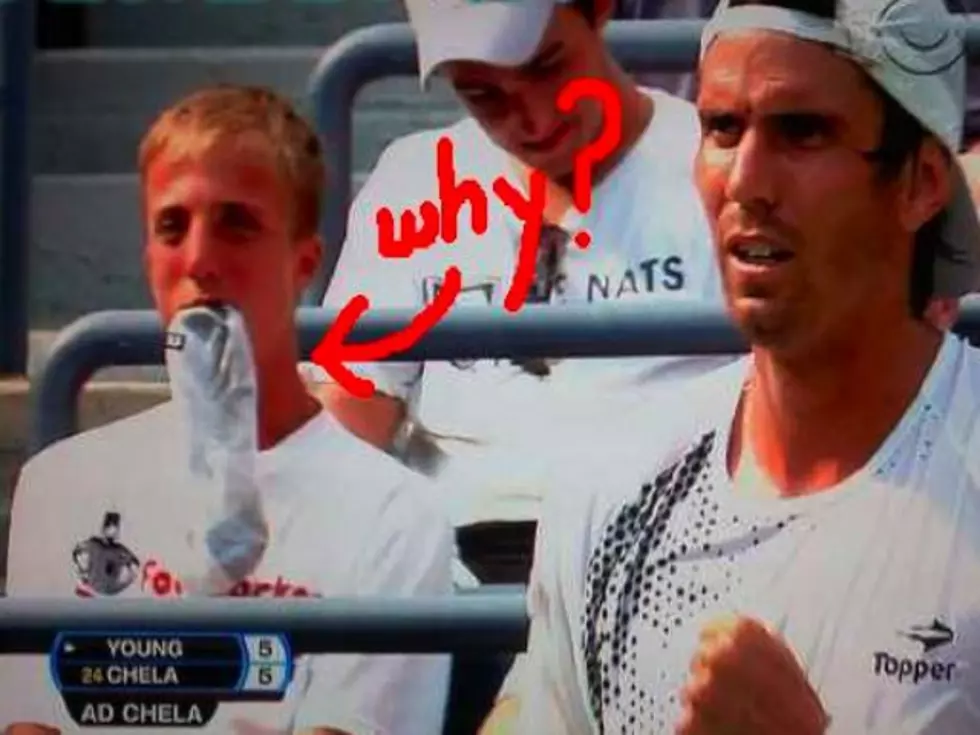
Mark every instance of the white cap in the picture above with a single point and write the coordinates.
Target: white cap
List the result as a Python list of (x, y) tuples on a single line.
[(915, 51), (499, 32)]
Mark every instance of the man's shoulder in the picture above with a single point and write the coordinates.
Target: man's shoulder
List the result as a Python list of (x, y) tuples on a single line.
[(675, 130), (63, 489), (666, 428), (971, 362), (418, 149), (101, 449), (962, 418), (379, 480)]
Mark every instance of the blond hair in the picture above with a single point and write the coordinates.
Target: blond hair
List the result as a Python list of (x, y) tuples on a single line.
[(233, 113)]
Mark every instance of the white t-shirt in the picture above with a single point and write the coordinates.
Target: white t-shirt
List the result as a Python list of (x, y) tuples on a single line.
[(650, 242), (875, 584), (345, 521)]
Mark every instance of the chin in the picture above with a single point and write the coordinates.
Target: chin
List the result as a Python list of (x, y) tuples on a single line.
[(763, 322)]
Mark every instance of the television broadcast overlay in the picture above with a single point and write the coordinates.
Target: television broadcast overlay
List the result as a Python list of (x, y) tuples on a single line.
[(161, 679)]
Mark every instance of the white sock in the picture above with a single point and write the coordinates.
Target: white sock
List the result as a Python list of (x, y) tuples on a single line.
[(212, 376)]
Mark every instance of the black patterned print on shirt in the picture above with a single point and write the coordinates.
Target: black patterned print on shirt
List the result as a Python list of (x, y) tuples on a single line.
[(664, 558), (621, 573)]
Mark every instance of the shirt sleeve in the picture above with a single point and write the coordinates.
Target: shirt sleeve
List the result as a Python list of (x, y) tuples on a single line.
[(547, 683), (361, 269), (410, 555), (37, 566)]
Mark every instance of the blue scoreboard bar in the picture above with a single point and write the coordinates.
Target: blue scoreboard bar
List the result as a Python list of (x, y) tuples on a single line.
[(156, 679)]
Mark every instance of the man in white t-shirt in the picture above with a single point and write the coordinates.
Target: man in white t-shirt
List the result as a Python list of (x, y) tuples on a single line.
[(484, 425), (242, 485), (799, 551)]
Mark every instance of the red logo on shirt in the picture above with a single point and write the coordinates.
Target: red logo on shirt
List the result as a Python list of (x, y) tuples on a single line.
[(159, 581)]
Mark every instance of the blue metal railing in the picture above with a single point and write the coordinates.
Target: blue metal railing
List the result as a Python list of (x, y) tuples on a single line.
[(474, 622), (608, 330)]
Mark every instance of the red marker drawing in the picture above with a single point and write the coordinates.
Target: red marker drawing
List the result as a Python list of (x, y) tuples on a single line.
[(437, 220), (332, 352), (589, 155), (531, 211), (433, 221)]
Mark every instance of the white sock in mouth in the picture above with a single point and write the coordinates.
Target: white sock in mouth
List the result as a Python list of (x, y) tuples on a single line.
[(212, 377)]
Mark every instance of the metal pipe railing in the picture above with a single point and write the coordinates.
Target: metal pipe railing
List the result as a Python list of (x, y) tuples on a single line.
[(473, 622), (595, 330), (136, 338)]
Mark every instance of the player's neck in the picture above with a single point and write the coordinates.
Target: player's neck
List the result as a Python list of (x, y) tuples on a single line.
[(813, 422), (284, 403)]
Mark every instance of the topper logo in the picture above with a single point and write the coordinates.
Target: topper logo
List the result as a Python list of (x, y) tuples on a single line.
[(931, 48), (432, 221)]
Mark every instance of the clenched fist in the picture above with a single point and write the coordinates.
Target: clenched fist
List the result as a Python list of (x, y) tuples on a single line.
[(744, 680)]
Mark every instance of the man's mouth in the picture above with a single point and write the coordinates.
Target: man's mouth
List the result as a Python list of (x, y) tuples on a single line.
[(759, 252), (545, 144)]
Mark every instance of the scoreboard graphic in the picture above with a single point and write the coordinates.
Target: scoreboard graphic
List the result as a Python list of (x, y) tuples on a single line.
[(160, 679)]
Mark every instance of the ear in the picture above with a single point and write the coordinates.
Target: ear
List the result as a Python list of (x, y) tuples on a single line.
[(929, 185), (307, 256)]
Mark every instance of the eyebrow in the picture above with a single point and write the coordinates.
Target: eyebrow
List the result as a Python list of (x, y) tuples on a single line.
[(801, 110), (254, 207)]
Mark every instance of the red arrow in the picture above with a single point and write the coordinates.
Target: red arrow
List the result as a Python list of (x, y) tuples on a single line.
[(332, 353)]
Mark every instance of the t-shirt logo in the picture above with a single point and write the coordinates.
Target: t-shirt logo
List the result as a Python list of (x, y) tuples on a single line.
[(929, 667), (102, 564), (931, 636), (931, 47), (478, 291)]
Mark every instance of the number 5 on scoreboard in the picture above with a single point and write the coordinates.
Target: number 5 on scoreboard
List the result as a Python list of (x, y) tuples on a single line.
[(265, 678), (265, 649)]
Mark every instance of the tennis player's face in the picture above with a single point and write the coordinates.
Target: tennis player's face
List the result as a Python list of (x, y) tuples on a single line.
[(219, 228), (810, 240), (517, 106)]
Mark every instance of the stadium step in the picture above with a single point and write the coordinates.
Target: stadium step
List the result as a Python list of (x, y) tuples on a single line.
[(214, 23), (91, 106)]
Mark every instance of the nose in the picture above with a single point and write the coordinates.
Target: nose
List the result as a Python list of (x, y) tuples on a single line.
[(201, 248), (535, 113), (752, 180)]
